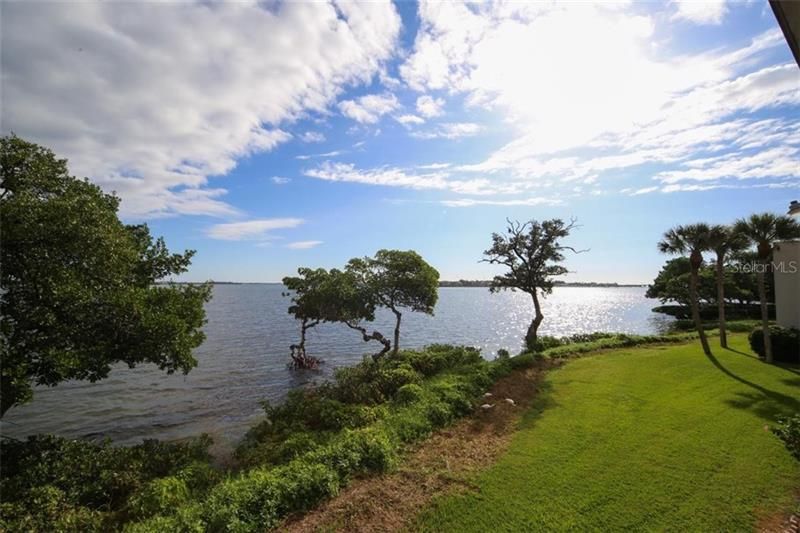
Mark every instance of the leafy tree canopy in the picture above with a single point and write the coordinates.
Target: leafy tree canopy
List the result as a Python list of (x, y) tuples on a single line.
[(397, 280), (78, 285)]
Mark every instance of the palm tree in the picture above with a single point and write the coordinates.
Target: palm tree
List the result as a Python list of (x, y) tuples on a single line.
[(723, 239), (763, 230), (694, 240)]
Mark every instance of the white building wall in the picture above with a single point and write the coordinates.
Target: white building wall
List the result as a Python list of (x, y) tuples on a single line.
[(786, 262)]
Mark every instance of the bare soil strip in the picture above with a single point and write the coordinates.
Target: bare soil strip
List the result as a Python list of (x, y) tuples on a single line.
[(441, 463)]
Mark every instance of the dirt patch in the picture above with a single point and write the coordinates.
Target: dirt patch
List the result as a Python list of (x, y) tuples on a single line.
[(441, 463), (780, 524)]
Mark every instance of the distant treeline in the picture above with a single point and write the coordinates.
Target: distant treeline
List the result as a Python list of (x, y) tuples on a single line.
[(487, 283)]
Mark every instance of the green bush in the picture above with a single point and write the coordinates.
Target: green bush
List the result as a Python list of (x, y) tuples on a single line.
[(525, 360), (46, 508), (51, 483), (159, 496), (788, 430), (438, 358), (605, 341), (257, 499), (408, 394), (545, 342), (356, 451), (785, 344)]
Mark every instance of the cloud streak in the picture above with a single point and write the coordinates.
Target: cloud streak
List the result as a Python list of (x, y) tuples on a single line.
[(252, 229), (303, 245)]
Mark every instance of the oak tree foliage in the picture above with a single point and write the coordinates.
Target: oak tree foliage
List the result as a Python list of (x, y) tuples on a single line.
[(79, 290)]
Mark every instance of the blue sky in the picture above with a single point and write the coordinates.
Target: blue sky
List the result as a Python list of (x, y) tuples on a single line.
[(274, 135)]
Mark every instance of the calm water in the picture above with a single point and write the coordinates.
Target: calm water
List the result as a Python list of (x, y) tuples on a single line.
[(243, 359)]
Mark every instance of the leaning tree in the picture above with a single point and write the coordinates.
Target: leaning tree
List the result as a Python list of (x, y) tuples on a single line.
[(397, 280), (692, 239), (723, 240), (764, 230), (79, 288), (319, 295), (533, 254), (309, 305)]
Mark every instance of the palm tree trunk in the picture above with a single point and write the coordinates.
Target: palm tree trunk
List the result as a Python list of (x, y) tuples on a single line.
[(398, 315), (723, 334), (696, 311), (533, 329), (762, 295)]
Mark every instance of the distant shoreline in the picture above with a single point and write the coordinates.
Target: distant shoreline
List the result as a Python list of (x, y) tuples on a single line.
[(442, 284), (487, 283)]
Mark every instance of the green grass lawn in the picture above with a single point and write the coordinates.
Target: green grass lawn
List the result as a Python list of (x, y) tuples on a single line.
[(656, 438)]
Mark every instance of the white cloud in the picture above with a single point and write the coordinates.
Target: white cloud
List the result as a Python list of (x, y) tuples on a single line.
[(777, 162), (700, 11), (471, 202), (449, 130), (434, 166), (681, 187), (303, 245), (398, 177), (251, 229), (429, 107), (332, 153), (410, 119), (151, 99), (643, 190), (280, 180), (369, 109), (312, 137)]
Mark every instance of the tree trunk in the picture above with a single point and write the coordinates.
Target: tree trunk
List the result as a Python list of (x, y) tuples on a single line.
[(399, 315), (7, 395), (723, 334), (693, 278), (375, 335), (533, 329), (762, 295), (300, 359)]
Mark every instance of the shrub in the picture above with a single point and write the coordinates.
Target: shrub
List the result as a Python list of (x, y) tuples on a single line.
[(187, 519), (408, 394), (788, 430), (356, 451), (438, 358), (256, 500), (785, 343), (159, 496), (604, 341), (96, 476), (525, 360), (410, 425), (47, 508), (545, 342)]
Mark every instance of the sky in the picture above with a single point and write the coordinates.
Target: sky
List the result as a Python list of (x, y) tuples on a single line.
[(272, 135)]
